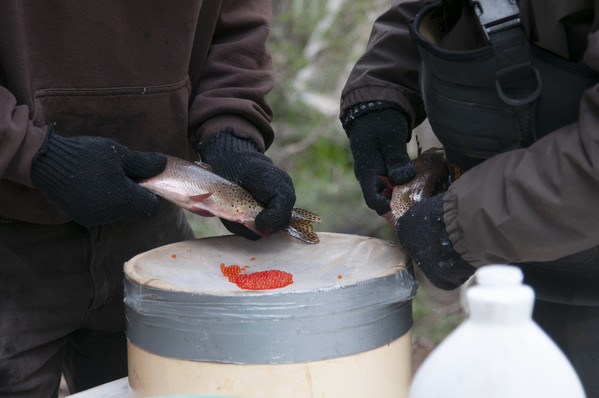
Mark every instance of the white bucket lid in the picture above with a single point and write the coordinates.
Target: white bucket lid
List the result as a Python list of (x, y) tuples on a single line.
[(349, 294), (338, 260)]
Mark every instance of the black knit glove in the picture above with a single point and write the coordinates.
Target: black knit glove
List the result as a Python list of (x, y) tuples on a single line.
[(90, 178), (378, 134), (239, 159), (422, 233)]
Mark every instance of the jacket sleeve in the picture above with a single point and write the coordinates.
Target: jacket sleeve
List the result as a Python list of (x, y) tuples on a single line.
[(388, 69), (19, 140), (237, 74), (533, 204)]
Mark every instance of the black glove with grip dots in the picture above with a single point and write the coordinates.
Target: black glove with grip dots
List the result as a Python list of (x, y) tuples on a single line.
[(92, 178), (422, 233)]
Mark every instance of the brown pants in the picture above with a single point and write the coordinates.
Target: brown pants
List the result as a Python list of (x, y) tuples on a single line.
[(61, 300)]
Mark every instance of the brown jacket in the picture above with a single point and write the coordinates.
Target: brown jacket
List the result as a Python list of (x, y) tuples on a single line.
[(154, 75), (534, 204)]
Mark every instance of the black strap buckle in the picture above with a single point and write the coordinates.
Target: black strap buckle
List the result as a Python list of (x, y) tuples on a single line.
[(496, 15)]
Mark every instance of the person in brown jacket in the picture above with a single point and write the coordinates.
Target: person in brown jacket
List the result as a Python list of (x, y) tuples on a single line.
[(511, 92), (92, 95)]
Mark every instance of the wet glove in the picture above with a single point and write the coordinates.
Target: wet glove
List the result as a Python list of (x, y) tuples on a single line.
[(378, 134), (239, 159), (91, 178), (422, 233)]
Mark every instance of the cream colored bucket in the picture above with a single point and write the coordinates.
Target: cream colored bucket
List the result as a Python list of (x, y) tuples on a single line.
[(340, 327)]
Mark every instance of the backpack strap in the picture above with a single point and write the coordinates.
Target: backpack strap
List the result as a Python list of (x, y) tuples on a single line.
[(500, 21)]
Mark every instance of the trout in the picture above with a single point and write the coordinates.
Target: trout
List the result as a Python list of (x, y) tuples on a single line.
[(195, 187), (432, 177)]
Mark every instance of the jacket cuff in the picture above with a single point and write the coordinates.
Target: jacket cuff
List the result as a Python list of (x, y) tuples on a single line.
[(240, 125), (363, 108), (228, 140), (454, 230), (404, 99), (19, 169)]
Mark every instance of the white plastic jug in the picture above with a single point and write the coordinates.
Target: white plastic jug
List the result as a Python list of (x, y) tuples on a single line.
[(498, 351)]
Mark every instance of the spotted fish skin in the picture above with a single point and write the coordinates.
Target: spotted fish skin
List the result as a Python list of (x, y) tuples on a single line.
[(432, 177), (195, 187)]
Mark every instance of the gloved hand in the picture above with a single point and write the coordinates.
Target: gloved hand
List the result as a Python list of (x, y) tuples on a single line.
[(91, 178), (422, 233), (378, 136), (239, 159)]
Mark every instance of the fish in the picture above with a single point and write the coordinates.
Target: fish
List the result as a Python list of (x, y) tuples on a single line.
[(432, 178), (193, 186)]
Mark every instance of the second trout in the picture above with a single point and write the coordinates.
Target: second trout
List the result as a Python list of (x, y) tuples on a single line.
[(432, 177)]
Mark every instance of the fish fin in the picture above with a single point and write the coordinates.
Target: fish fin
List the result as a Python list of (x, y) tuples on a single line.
[(389, 217), (301, 226), (386, 180), (419, 152), (307, 215), (200, 197), (203, 213), (203, 165)]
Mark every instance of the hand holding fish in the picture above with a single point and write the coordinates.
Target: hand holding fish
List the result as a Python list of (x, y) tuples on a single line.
[(378, 142), (197, 188), (417, 214), (401, 190), (92, 178), (432, 177), (239, 159)]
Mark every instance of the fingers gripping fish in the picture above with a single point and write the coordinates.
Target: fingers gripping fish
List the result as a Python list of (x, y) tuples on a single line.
[(432, 177), (195, 187)]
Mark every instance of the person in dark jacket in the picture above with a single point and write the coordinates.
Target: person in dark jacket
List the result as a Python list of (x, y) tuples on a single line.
[(511, 92), (92, 97)]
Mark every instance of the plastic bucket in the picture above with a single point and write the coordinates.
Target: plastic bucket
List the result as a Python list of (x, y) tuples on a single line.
[(339, 327)]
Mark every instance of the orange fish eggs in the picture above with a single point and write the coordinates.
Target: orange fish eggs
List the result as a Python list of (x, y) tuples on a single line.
[(262, 280)]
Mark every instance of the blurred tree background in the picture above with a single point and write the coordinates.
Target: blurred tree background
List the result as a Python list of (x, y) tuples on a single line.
[(314, 45)]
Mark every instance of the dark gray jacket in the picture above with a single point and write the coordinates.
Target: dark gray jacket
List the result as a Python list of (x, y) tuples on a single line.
[(533, 204)]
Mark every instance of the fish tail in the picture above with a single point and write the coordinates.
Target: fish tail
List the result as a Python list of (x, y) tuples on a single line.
[(301, 225), (307, 215)]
